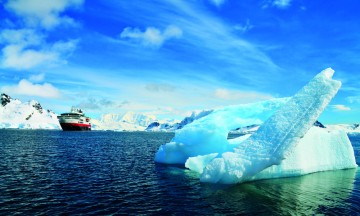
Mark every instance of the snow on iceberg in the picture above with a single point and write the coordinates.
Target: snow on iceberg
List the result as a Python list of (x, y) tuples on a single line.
[(204, 147), (209, 134), (318, 150)]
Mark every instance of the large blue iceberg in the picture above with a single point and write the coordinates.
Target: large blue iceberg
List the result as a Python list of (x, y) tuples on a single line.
[(286, 144)]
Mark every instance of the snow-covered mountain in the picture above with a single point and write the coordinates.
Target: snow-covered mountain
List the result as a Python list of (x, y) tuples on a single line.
[(246, 130), (25, 115), (31, 115), (129, 121), (165, 126), (173, 125), (348, 128), (254, 127)]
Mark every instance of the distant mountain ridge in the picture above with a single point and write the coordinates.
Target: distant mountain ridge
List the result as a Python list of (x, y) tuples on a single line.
[(130, 121), (31, 115), (348, 128), (167, 126), (28, 115)]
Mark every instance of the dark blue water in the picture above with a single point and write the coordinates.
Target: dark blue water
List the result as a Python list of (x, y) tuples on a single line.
[(109, 173)]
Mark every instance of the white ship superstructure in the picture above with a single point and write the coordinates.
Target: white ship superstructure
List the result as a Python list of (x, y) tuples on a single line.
[(74, 120)]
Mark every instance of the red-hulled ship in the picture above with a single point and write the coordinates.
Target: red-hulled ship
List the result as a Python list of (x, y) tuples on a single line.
[(75, 120)]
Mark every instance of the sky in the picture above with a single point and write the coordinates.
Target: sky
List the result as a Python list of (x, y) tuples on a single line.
[(171, 57)]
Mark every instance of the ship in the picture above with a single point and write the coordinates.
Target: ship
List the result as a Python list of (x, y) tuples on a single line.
[(75, 120)]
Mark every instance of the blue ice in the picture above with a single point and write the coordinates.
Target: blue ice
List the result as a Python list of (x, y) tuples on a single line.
[(286, 144)]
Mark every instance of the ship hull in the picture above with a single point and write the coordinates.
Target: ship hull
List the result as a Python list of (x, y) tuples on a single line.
[(75, 127)]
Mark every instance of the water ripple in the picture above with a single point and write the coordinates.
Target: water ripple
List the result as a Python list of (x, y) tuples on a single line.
[(105, 173)]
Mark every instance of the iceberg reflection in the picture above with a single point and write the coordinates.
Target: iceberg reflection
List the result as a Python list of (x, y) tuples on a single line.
[(322, 192)]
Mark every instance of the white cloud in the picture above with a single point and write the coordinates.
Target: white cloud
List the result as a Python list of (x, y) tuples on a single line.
[(37, 78), (15, 52), (353, 99), (22, 37), (218, 2), (97, 104), (206, 38), (152, 36), (245, 27), (341, 107), (25, 42), (282, 3), (240, 96), (25, 87), (155, 87), (15, 56), (20, 56), (37, 13)]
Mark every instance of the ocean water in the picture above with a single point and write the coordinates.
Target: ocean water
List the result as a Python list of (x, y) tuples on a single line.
[(110, 173)]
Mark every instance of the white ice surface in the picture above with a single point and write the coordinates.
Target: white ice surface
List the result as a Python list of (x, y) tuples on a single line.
[(209, 134), (203, 145), (319, 150)]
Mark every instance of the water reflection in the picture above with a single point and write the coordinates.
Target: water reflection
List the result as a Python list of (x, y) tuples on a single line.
[(324, 192), (103, 173), (328, 192)]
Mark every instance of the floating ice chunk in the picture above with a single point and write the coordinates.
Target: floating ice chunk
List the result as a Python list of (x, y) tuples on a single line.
[(204, 148), (278, 136), (319, 150), (209, 134), (198, 163)]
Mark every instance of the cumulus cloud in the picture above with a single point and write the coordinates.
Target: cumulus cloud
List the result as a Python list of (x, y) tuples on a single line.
[(37, 13), (124, 103), (24, 37), (25, 87), (218, 2), (25, 42), (353, 99), (341, 107), (37, 77), (244, 28), (25, 56), (160, 88), (15, 56), (151, 36), (241, 96), (165, 112), (96, 103), (282, 3)]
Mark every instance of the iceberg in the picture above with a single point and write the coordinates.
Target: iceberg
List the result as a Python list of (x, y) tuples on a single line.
[(285, 144), (319, 150), (209, 134)]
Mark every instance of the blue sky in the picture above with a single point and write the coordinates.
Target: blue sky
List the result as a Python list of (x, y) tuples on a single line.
[(171, 57)]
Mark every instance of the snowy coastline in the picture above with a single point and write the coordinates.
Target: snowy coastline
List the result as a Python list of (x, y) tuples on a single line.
[(15, 114), (27, 115)]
